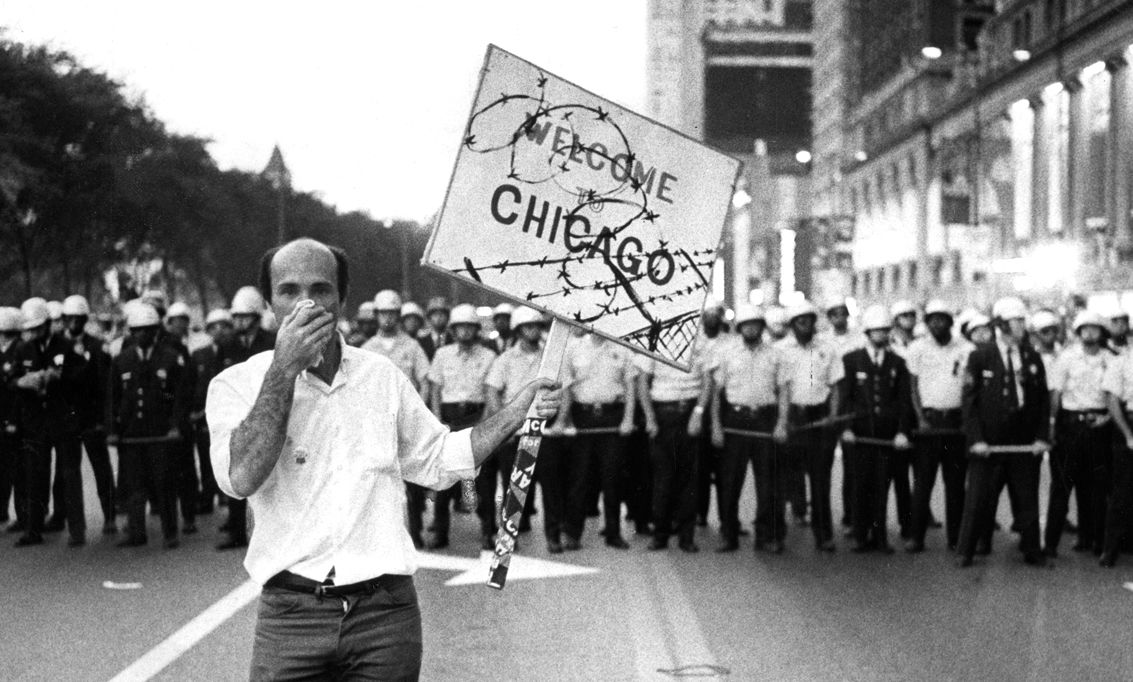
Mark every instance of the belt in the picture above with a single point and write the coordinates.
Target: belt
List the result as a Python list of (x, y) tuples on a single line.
[(463, 406), (944, 413), (286, 580), (674, 404), (1082, 415), (744, 409), (600, 407)]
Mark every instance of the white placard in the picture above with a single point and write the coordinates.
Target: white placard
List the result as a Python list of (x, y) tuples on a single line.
[(568, 203)]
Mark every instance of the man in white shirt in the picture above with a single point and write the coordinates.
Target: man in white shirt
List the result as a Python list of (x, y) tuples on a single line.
[(936, 363), (320, 437)]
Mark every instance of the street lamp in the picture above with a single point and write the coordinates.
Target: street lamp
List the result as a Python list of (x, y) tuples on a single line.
[(280, 178)]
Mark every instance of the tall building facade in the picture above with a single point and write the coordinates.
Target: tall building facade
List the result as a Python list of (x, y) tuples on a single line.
[(737, 74), (985, 147)]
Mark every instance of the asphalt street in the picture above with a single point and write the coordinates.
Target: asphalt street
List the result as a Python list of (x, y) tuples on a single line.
[(95, 612)]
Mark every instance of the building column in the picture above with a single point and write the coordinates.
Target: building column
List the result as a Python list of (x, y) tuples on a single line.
[(1121, 148), (926, 170), (1078, 173), (1040, 177)]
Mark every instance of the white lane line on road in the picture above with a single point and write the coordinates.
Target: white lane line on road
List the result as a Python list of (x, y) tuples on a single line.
[(1128, 586), (666, 631), (155, 660), (690, 647)]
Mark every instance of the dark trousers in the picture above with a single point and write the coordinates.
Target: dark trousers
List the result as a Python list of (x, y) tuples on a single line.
[(673, 456), (1119, 515), (945, 451), (150, 475), (708, 456), (766, 459), (900, 467), (456, 416), (847, 487), (1021, 472), (69, 472), (499, 465), (94, 442), (36, 458), (595, 456), (814, 449), (370, 636), (67, 490), (639, 475), (187, 484), (209, 489), (9, 456), (1080, 461), (553, 471), (873, 470)]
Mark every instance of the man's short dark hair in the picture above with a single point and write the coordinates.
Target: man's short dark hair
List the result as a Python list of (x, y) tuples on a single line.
[(343, 267)]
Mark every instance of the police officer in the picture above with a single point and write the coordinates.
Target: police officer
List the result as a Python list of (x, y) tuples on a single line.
[(1118, 328), (10, 467), (501, 322), (936, 365), (412, 319), (456, 389), (674, 404), (366, 322), (150, 403), (250, 338), (904, 314), (839, 336), (1047, 327), (410, 358), (713, 334), (1118, 385), (813, 369), (92, 403), (48, 375), (509, 373), (598, 382), (175, 334), (751, 395), (207, 361), (1005, 402), (1081, 434), (876, 392), (437, 334)]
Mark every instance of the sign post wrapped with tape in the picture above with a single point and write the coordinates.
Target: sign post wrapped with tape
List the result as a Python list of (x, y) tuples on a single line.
[(568, 203)]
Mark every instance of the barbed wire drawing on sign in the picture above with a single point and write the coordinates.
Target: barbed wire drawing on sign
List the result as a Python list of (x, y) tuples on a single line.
[(620, 261)]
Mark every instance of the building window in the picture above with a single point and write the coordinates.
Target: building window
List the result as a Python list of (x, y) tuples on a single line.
[(912, 276)]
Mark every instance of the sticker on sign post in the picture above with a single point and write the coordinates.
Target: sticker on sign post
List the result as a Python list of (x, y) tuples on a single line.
[(568, 203)]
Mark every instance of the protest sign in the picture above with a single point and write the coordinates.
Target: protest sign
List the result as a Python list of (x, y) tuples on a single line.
[(568, 203)]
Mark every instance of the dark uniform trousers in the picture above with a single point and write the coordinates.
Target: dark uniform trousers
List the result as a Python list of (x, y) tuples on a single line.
[(1119, 514), (456, 416), (706, 469), (946, 451), (1021, 471), (202, 442), (151, 473), (813, 449), (9, 470), (638, 475), (673, 459), (1080, 461), (590, 457), (68, 460), (35, 459), (67, 491), (766, 459), (869, 493)]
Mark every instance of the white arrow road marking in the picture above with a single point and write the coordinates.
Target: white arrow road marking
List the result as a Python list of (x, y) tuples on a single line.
[(475, 570)]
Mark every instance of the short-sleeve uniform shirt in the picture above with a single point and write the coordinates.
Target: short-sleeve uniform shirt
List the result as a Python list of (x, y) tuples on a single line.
[(811, 370), (597, 370), (751, 376), (671, 384), (460, 372), (513, 370), (939, 370), (1079, 377), (404, 352)]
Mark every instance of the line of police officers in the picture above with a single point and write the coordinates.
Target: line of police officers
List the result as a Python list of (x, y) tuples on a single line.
[(981, 404)]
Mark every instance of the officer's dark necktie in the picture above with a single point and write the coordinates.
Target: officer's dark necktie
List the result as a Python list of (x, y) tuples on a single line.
[(1013, 386)]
